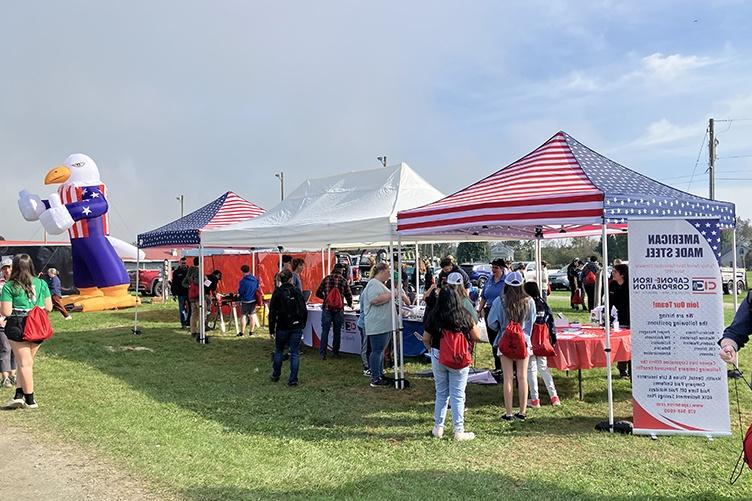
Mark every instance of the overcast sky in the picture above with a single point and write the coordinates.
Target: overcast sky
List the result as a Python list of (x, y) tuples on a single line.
[(197, 98)]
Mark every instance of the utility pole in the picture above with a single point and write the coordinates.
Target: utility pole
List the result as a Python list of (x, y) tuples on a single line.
[(181, 199), (281, 176), (711, 156)]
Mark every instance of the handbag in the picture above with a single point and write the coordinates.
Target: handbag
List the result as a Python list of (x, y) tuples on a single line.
[(577, 297), (37, 326)]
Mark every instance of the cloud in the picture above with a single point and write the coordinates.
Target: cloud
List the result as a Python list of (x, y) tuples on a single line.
[(663, 132), (672, 66)]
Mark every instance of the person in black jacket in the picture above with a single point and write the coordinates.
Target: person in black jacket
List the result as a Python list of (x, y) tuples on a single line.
[(180, 292), (589, 277), (287, 317), (574, 283)]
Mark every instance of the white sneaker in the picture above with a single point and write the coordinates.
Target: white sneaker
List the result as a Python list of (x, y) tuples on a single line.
[(32, 405), (438, 431), (464, 436), (14, 403), (69, 317)]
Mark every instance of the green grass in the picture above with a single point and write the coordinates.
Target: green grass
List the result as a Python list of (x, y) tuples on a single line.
[(204, 422)]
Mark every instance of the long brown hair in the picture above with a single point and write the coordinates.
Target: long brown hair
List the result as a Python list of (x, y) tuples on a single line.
[(22, 273), (515, 303)]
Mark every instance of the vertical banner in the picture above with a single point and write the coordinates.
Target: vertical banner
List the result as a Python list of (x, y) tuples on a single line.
[(679, 383)]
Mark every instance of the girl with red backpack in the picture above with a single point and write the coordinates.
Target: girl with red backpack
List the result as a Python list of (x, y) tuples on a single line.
[(512, 315), (543, 340), (449, 335)]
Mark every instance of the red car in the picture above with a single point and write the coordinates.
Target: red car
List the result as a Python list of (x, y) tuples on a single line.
[(149, 282)]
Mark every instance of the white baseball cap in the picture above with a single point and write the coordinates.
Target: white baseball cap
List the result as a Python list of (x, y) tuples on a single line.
[(7, 261), (455, 278), (514, 279)]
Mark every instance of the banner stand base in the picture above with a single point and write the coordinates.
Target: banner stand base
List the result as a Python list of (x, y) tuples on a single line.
[(623, 427)]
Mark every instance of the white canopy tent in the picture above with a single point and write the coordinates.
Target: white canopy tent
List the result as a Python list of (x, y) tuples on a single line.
[(356, 209)]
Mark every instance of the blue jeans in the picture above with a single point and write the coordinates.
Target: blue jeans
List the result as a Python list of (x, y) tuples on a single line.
[(378, 343), (450, 385), (282, 340), (333, 319), (365, 349), (184, 309)]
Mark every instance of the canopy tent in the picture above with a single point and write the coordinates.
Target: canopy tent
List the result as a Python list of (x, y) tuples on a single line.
[(560, 185), (356, 209), (560, 189), (186, 232)]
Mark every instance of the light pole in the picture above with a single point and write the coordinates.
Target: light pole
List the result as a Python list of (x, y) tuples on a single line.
[(181, 199), (281, 176), (382, 160)]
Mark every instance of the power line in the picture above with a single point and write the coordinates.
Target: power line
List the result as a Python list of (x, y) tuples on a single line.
[(735, 156), (702, 147)]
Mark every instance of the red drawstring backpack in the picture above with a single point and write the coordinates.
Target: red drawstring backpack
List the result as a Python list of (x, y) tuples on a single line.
[(512, 343), (454, 350), (541, 340), (37, 326)]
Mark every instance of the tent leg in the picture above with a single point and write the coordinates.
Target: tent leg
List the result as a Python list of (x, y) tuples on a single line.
[(136, 330), (538, 270), (323, 265), (400, 330), (328, 259), (201, 296), (394, 320), (607, 314), (735, 292), (253, 262), (416, 269)]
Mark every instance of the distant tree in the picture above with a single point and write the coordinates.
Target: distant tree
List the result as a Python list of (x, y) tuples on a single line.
[(617, 247), (473, 252)]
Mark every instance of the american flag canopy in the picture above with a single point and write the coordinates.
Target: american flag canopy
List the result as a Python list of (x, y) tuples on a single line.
[(561, 184), (227, 209)]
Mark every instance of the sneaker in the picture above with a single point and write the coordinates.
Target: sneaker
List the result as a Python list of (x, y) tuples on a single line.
[(292, 383), (323, 356), (274, 379), (520, 416), (507, 417), (32, 405), (379, 383), (555, 401), (438, 431), (464, 436), (239, 334), (14, 403), (6, 383), (535, 404), (69, 317), (367, 372)]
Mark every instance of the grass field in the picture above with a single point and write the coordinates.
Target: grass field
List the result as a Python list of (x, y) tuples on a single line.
[(204, 422)]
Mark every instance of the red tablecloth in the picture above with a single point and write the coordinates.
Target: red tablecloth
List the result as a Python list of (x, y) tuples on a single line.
[(584, 350)]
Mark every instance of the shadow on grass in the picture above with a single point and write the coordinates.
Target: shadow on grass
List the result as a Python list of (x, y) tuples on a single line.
[(227, 382), (411, 484)]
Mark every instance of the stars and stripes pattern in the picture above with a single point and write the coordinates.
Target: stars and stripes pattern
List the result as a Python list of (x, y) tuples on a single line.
[(561, 184), (71, 194), (710, 229), (547, 186), (227, 209)]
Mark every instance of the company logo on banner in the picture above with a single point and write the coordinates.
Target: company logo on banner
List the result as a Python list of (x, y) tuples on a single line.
[(679, 383)]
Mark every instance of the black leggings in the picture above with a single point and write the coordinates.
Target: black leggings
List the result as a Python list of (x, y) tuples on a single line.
[(491, 338)]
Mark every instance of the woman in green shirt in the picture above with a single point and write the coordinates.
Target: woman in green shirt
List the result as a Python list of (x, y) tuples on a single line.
[(22, 292)]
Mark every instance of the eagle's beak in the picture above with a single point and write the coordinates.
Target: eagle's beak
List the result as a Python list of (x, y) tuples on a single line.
[(57, 175)]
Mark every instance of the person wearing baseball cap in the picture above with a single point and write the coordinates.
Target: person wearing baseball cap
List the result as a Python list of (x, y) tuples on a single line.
[(457, 281), (7, 360), (514, 305)]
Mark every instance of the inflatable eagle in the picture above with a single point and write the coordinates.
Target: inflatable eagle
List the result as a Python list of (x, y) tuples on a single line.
[(80, 206)]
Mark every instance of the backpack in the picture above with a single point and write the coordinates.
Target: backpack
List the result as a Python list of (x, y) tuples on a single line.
[(541, 340), (589, 278), (454, 350), (512, 343), (293, 311), (333, 300), (37, 326)]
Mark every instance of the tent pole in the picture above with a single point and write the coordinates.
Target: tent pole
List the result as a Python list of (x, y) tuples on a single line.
[(135, 313), (416, 269), (538, 271), (391, 305), (733, 251), (607, 314), (400, 330), (323, 265), (253, 261), (201, 296), (328, 258)]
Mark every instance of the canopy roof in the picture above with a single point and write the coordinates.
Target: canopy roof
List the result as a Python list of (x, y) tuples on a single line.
[(560, 185), (356, 209), (227, 209)]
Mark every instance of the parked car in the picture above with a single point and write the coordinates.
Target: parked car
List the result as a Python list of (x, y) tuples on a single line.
[(149, 282), (728, 282), (558, 279), (479, 273)]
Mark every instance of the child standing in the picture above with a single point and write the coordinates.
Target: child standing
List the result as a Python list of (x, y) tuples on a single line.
[(540, 364)]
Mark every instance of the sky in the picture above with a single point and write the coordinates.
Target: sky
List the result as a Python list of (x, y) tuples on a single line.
[(198, 97)]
